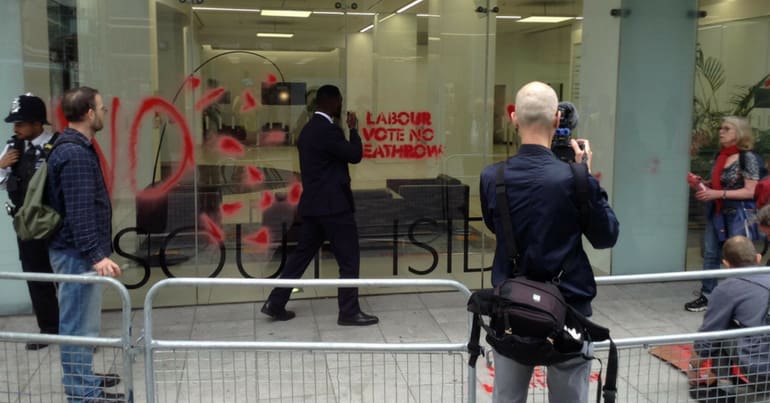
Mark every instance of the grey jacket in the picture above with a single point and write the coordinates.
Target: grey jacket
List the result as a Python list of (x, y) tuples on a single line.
[(739, 302)]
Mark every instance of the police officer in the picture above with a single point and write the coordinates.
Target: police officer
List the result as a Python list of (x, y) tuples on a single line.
[(18, 161)]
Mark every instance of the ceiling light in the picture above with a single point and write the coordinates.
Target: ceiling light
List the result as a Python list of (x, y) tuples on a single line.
[(238, 10), (329, 12), (408, 6), (273, 35), (578, 18), (508, 17), (545, 20), (286, 13), (367, 28), (359, 13), (429, 15), (387, 17)]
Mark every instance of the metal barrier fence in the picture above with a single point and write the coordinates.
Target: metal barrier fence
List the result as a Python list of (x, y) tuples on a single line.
[(184, 370), (650, 369), (234, 371), (36, 376)]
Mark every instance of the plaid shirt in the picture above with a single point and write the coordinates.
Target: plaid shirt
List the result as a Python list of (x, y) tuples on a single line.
[(76, 189)]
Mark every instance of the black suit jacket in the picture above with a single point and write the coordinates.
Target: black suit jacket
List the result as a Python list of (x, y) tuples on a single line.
[(324, 155)]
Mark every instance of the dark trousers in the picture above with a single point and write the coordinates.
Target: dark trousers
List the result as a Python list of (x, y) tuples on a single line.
[(34, 259), (341, 232)]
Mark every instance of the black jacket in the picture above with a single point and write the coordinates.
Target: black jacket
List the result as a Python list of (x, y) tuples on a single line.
[(546, 222), (324, 155)]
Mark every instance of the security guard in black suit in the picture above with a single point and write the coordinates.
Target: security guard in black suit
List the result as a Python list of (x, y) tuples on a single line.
[(326, 207), (18, 162)]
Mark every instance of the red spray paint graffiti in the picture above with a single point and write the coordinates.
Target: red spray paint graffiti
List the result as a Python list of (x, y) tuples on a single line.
[(400, 135)]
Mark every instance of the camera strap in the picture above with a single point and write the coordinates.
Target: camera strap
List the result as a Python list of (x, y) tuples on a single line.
[(505, 216)]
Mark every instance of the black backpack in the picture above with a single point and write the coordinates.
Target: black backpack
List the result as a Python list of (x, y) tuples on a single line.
[(530, 322)]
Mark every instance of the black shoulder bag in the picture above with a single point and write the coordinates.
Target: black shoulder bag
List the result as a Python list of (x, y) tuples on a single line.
[(530, 322)]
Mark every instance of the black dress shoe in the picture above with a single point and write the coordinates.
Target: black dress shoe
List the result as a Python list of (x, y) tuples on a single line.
[(359, 319), (35, 346), (106, 397), (276, 313), (108, 380)]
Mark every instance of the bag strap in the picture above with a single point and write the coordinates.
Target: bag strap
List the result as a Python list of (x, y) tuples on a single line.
[(474, 348), (580, 173), (610, 389), (505, 216)]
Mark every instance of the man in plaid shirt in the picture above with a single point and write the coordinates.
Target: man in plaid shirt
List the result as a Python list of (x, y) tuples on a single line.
[(76, 189)]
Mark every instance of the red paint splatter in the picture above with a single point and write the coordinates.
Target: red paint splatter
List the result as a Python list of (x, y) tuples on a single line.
[(187, 161), (260, 239), (654, 165), (510, 109), (254, 175), (593, 377), (193, 82), (273, 138), (267, 200), (230, 146), (216, 235), (249, 102), (271, 78), (209, 98), (229, 209), (487, 387), (598, 176), (295, 192), (61, 120), (767, 83)]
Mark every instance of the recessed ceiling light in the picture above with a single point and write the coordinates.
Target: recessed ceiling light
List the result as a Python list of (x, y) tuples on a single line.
[(578, 18), (508, 17), (408, 6), (286, 13), (367, 28), (329, 12), (359, 13), (387, 17), (237, 10), (274, 35), (429, 15), (545, 20)]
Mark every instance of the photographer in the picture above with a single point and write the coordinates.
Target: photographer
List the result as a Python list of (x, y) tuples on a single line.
[(546, 220), (18, 162)]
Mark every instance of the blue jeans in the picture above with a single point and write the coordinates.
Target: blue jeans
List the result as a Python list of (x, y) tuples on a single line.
[(567, 381), (734, 219), (80, 311)]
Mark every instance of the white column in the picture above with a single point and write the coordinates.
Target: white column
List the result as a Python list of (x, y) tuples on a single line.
[(14, 298)]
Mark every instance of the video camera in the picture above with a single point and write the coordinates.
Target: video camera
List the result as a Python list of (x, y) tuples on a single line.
[(561, 139)]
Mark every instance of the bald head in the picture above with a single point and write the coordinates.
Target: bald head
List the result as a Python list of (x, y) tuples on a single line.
[(536, 106)]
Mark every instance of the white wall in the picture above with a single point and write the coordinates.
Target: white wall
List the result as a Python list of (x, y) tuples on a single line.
[(524, 57)]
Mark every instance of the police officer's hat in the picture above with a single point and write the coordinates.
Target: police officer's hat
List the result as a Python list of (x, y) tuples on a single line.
[(27, 108)]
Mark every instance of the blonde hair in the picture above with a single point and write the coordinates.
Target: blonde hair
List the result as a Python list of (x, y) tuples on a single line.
[(739, 252), (744, 136)]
